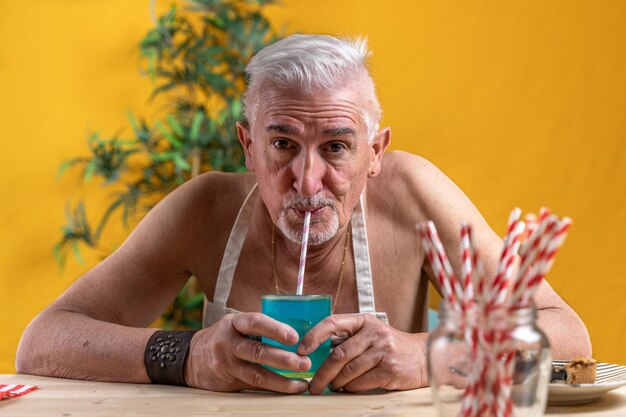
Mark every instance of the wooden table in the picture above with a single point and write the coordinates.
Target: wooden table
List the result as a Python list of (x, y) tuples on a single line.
[(71, 398)]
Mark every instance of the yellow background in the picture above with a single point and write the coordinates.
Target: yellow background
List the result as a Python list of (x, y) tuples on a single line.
[(521, 103)]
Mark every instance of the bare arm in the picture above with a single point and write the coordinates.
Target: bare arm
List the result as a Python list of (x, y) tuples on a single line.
[(96, 329), (443, 202), (565, 330)]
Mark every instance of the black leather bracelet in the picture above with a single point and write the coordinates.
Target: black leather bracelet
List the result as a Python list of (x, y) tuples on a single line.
[(165, 354)]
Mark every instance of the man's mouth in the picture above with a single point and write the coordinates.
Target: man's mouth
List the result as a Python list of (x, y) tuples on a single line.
[(314, 211)]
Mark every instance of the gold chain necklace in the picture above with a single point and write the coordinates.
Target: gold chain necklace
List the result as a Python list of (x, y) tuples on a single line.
[(343, 261)]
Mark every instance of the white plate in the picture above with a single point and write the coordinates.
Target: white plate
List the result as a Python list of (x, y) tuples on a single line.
[(608, 377)]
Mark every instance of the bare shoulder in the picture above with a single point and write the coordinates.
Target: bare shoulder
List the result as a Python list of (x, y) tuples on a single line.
[(408, 181), (402, 158), (212, 193), (199, 214), (216, 184), (412, 189), (177, 238), (413, 170)]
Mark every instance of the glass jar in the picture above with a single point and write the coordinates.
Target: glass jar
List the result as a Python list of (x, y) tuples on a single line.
[(448, 362), (533, 363), (458, 368)]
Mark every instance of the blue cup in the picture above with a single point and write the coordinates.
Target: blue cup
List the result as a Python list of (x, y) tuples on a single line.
[(302, 312)]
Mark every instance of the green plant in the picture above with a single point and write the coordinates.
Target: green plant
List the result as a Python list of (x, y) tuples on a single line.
[(196, 59)]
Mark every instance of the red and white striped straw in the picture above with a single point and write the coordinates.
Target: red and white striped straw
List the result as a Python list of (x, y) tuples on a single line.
[(514, 217), (305, 244), (443, 279), (441, 252), (513, 232), (531, 248), (535, 224), (435, 263), (507, 262), (467, 264), (544, 262), (557, 241), (480, 286), (532, 252), (484, 306), (531, 221), (431, 230)]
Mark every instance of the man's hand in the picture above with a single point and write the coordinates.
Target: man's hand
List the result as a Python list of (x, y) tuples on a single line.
[(223, 358), (375, 355)]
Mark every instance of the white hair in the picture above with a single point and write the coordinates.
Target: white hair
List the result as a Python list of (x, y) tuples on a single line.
[(310, 63)]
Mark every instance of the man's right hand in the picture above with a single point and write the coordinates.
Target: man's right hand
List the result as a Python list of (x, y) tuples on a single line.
[(224, 358)]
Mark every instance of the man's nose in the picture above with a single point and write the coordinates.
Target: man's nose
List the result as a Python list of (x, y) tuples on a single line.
[(308, 171)]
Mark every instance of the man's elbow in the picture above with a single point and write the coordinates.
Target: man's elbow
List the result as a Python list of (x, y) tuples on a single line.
[(24, 357), (574, 342), (30, 357), (580, 346), (581, 340), (584, 345)]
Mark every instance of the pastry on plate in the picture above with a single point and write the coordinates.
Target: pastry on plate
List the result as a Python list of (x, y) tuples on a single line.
[(578, 371)]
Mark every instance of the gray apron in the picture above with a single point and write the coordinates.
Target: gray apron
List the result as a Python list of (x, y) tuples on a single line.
[(216, 309)]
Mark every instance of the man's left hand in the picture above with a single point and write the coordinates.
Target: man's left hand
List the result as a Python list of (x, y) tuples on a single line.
[(374, 355)]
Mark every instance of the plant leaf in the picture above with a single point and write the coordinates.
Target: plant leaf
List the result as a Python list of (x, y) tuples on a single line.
[(89, 170), (68, 164), (181, 163), (168, 136), (134, 124), (235, 108), (175, 125), (196, 123), (76, 251)]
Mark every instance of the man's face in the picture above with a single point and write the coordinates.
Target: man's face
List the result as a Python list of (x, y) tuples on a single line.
[(311, 153)]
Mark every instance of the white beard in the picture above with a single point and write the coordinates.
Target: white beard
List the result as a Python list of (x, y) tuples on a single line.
[(316, 236)]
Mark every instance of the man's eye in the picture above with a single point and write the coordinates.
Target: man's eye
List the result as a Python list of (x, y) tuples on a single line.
[(281, 143), (336, 147)]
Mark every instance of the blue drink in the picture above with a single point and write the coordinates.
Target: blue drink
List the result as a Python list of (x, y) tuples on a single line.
[(301, 312)]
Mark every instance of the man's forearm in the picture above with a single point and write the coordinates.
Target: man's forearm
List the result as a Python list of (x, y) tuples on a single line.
[(566, 332), (70, 345)]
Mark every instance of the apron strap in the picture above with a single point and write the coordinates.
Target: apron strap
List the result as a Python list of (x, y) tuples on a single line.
[(233, 250), (362, 265)]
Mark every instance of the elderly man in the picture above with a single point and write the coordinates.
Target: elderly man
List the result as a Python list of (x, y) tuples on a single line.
[(311, 143)]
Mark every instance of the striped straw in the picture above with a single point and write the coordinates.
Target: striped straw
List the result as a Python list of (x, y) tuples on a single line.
[(443, 279), (514, 217), (514, 230), (530, 248), (305, 244), (507, 263), (488, 392), (480, 286), (471, 276), (544, 261), (467, 264), (557, 241), (535, 224), (431, 231), (531, 221), (435, 263), (533, 251)]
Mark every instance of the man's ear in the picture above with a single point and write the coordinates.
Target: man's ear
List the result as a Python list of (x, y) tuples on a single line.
[(243, 133), (377, 149)]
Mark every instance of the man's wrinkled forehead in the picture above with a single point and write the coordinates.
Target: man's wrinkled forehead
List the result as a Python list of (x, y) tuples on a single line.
[(353, 103)]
